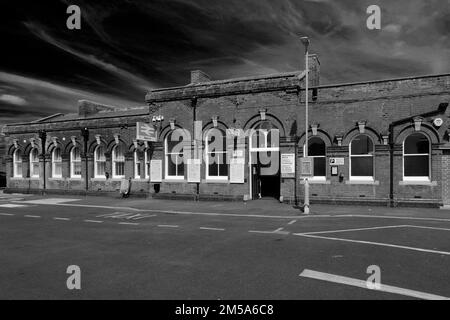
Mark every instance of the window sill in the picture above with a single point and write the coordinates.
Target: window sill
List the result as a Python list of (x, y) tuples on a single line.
[(17, 178), (98, 179), (366, 182), (139, 180), (118, 179), (75, 179), (224, 181), (56, 179), (418, 183), (316, 181), (174, 180)]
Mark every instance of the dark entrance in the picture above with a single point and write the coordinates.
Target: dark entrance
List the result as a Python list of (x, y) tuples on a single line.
[(265, 183)]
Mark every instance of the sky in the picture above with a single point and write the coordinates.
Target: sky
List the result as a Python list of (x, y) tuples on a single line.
[(127, 47)]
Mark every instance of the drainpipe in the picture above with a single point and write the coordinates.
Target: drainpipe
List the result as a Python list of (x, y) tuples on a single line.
[(85, 134), (43, 137), (194, 118)]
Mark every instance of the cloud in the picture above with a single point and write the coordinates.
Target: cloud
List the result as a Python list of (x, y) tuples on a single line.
[(12, 99)]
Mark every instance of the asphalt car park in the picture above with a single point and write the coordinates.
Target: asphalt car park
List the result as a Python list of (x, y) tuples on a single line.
[(166, 253)]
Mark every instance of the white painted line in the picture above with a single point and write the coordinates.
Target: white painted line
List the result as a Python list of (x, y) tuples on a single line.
[(425, 227), (129, 223), (167, 226), (363, 284), (389, 217), (10, 205), (214, 229), (292, 222), (31, 216), (256, 231), (357, 229), (6, 214), (63, 219), (93, 221), (278, 230), (374, 243), (50, 201)]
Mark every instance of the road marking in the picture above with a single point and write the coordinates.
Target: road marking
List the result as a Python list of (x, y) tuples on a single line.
[(50, 201), (363, 284), (214, 229), (167, 226), (387, 217), (6, 214), (357, 229), (93, 221), (129, 223), (425, 227), (10, 205), (31, 216), (278, 230), (63, 219), (374, 243), (292, 222)]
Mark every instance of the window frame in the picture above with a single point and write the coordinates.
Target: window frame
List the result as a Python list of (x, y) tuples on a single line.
[(54, 162), (318, 178), (416, 178), (223, 152), (73, 162), (361, 178), (17, 159), (97, 161), (166, 160), (147, 164), (137, 164), (116, 161)]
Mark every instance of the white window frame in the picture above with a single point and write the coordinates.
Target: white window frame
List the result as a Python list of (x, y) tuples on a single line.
[(32, 173), (417, 178), (54, 162), (137, 164), (167, 155), (317, 178), (115, 161), (147, 164), (97, 161), (17, 160), (207, 153), (361, 178), (73, 162)]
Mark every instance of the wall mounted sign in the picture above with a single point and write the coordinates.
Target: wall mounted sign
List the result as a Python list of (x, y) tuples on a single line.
[(155, 170), (237, 170), (193, 174), (306, 167), (146, 132), (287, 165), (337, 161)]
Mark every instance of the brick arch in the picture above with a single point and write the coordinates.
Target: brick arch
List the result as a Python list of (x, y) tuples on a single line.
[(320, 134), (141, 147), (12, 149), (253, 121), (94, 144), (372, 133), (27, 149), (426, 129), (112, 143), (220, 125), (68, 147), (166, 130)]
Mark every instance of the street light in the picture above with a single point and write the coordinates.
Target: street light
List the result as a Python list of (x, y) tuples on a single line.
[(305, 41)]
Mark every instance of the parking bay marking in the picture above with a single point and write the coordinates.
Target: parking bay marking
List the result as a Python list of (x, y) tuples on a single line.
[(213, 229), (6, 214), (363, 284), (31, 216), (93, 221), (62, 219)]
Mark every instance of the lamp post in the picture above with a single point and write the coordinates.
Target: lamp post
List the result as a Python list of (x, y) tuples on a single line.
[(305, 41)]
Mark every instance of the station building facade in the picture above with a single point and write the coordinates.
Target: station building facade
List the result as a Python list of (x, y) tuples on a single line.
[(380, 142)]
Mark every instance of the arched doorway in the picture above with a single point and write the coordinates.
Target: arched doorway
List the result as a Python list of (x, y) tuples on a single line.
[(264, 160)]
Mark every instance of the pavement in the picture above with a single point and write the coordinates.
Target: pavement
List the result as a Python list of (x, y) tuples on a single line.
[(162, 249)]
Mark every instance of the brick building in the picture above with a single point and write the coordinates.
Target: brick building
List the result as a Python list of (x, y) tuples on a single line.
[(380, 142)]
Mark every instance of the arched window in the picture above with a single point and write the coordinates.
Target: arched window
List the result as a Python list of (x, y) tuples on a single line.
[(118, 161), (56, 163), (174, 157), (265, 136), (17, 164), (416, 157), (75, 163), (100, 162), (34, 163), (316, 150), (137, 166), (361, 158), (216, 155), (147, 157)]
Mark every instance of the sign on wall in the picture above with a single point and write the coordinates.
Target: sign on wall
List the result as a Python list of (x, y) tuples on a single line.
[(193, 174), (237, 170), (146, 132), (287, 165), (306, 167), (337, 161), (156, 170)]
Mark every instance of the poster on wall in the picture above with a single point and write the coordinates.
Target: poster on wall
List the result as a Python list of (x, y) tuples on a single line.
[(156, 170), (288, 165), (193, 174), (237, 170)]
